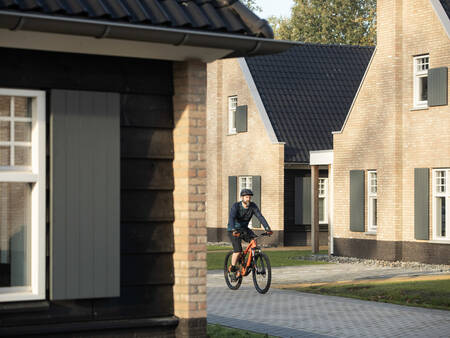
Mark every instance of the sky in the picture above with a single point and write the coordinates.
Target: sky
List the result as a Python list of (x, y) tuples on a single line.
[(274, 7)]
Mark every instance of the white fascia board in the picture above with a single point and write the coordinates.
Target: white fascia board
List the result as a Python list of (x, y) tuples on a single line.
[(442, 15), (321, 157), (112, 47), (357, 93), (259, 104)]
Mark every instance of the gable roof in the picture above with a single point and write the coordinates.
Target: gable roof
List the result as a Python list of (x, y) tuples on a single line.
[(446, 5), (307, 92), (222, 24)]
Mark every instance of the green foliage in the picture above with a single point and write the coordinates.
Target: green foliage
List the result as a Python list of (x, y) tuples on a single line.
[(251, 4), (219, 331), (430, 294), (277, 258), (350, 22)]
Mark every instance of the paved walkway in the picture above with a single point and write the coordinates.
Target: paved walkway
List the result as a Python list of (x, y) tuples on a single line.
[(286, 313)]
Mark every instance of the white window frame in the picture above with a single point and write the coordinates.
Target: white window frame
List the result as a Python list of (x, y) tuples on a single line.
[(370, 197), (324, 195), (245, 186), (418, 74), (232, 105), (446, 195), (35, 175)]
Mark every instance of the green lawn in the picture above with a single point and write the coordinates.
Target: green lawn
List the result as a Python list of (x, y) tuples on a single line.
[(429, 294), (277, 258), (219, 331), (218, 247)]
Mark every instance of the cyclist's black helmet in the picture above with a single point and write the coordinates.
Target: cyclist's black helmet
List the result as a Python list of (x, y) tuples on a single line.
[(245, 192)]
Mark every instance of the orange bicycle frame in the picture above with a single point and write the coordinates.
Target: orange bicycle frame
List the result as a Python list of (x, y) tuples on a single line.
[(245, 268)]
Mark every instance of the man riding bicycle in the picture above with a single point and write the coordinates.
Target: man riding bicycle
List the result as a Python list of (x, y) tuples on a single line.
[(240, 215)]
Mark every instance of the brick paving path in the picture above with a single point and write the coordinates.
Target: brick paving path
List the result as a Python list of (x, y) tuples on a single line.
[(286, 313)]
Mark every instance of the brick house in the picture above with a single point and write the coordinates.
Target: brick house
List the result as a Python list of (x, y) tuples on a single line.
[(103, 161), (283, 107), (392, 156)]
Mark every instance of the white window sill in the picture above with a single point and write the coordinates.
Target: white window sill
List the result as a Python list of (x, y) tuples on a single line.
[(232, 133), (371, 232), (440, 241), (19, 296), (419, 108)]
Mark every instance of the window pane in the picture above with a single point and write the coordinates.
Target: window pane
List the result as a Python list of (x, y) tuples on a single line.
[(22, 156), (22, 106), (5, 131), (22, 131), (423, 88), (374, 210), (15, 221), (5, 157), (5, 105), (440, 181), (321, 210), (440, 216)]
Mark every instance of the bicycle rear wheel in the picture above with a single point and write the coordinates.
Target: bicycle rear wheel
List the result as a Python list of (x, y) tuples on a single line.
[(232, 283), (262, 273)]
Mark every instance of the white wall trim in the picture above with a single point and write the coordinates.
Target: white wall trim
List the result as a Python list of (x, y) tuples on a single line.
[(321, 157), (357, 93), (259, 104), (443, 18)]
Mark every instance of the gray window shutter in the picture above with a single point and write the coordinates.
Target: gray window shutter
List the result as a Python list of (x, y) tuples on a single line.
[(303, 200), (84, 195), (232, 191), (357, 200), (437, 86), (241, 119), (421, 203), (256, 188)]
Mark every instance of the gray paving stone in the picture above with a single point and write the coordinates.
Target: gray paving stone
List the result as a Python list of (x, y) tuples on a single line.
[(294, 314)]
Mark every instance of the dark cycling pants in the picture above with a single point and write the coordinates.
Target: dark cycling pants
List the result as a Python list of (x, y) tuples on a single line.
[(236, 242)]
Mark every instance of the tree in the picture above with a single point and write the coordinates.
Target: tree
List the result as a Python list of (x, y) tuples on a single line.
[(331, 22), (251, 4)]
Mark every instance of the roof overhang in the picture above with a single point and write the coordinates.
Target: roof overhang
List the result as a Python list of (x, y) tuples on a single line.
[(442, 15), (321, 157), (60, 33)]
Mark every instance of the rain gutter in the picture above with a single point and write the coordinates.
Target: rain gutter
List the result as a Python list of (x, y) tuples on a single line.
[(240, 45)]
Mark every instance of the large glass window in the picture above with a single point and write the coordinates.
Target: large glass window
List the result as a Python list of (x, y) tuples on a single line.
[(232, 104), (323, 195), (22, 195), (421, 66), (441, 203), (372, 200)]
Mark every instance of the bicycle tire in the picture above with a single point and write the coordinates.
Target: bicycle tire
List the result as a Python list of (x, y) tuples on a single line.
[(262, 268), (226, 273)]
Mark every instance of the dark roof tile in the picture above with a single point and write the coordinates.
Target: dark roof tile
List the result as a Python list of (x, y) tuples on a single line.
[(446, 5), (209, 15), (307, 92)]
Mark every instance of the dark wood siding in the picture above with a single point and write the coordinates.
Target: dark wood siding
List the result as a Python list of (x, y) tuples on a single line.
[(298, 234), (146, 229)]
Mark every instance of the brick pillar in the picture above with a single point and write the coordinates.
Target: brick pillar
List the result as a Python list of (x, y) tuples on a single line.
[(189, 197)]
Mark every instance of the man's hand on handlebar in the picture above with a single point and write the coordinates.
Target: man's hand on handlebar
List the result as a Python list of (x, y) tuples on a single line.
[(236, 233)]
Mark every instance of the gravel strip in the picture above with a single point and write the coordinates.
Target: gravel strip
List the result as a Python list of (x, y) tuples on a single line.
[(374, 262)]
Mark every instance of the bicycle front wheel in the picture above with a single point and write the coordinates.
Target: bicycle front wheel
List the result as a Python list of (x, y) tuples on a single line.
[(262, 273), (232, 281)]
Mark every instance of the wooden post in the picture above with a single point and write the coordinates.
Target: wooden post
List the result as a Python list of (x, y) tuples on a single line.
[(315, 209)]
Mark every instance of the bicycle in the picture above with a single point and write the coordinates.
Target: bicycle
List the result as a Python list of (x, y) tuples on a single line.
[(254, 260)]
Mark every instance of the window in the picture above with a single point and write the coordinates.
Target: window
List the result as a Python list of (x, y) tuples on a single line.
[(22, 195), (372, 200), (323, 194), (232, 104), (441, 203), (245, 182), (421, 66)]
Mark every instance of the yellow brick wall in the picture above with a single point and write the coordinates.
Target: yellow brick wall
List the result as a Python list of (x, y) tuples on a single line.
[(230, 155), (190, 189), (383, 132)]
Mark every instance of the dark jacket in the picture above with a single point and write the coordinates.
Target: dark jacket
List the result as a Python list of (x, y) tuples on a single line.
[(240, 217)]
